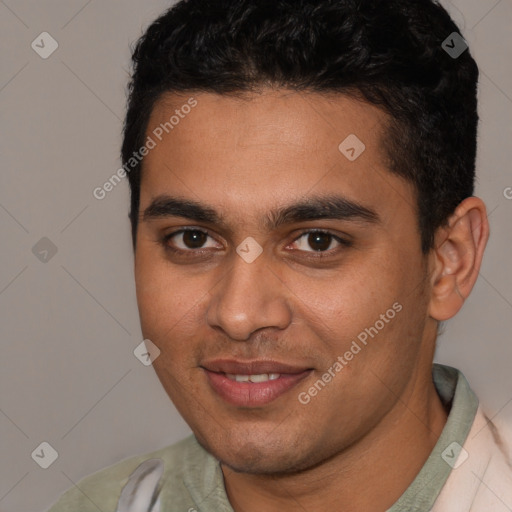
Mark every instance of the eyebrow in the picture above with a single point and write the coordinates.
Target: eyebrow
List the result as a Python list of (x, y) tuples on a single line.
[(313, 208)]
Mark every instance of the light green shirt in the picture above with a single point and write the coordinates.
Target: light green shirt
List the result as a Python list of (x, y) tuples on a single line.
[(193, 478)]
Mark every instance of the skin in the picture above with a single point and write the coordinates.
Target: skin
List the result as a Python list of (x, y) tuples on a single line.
[(245, 157)]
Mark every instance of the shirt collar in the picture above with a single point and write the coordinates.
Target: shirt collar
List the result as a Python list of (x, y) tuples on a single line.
[(456, 395)]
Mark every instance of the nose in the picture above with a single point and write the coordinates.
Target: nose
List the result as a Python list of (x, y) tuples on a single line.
[(250, 297)]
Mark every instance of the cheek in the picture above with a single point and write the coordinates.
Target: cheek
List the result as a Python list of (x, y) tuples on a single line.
[(168, 304), (340, 306), (166, 299)]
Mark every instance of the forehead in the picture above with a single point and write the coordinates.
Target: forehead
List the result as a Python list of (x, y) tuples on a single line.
[(300, 120), (266, 145)]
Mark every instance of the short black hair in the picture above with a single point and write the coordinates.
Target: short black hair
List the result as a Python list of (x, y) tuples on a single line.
[(387, 52)]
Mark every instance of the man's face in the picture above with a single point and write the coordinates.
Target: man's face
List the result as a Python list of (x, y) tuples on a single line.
[(307, 299)]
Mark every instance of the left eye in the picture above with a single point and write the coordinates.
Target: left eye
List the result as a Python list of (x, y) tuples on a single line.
[(319, 241)]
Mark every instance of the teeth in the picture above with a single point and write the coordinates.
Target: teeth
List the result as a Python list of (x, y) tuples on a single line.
[(262, 377), (259, 378)]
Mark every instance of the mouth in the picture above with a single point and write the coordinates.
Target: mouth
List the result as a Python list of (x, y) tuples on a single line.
[(254, 383)]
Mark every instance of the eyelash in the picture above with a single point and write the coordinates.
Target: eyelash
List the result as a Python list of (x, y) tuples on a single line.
[(195, 252)]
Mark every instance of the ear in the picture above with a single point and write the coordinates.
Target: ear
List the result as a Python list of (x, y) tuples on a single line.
[(456, 258)]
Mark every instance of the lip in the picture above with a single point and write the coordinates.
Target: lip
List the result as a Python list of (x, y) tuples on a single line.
[(252, 367), (247, 394)]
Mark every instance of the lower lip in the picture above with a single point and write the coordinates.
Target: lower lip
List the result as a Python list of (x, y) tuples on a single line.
[(247, 394)]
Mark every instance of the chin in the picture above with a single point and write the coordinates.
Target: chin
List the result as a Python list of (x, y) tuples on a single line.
[(259, 456)]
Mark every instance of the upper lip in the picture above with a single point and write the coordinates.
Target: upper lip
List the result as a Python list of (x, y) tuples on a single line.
[(255, 367)]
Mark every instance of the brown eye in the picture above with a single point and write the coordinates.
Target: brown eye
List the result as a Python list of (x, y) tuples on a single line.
[(319, 241), (188, 240), (194, 239)]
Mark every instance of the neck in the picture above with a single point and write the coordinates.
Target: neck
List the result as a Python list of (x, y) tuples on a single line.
[(370, 475)]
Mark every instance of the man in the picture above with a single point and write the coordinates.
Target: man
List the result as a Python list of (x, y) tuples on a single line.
[(301, 177)]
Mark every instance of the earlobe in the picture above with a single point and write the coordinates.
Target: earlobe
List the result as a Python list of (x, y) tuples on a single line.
[(457, 255)]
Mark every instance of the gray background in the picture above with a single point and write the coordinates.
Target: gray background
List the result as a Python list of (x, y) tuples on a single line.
[(68, 326)]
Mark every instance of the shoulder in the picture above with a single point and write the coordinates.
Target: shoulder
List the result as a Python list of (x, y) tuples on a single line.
[(481, 479), (101, 490)]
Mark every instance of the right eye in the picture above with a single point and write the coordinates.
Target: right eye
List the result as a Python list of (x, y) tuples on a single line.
[(186, 240)]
